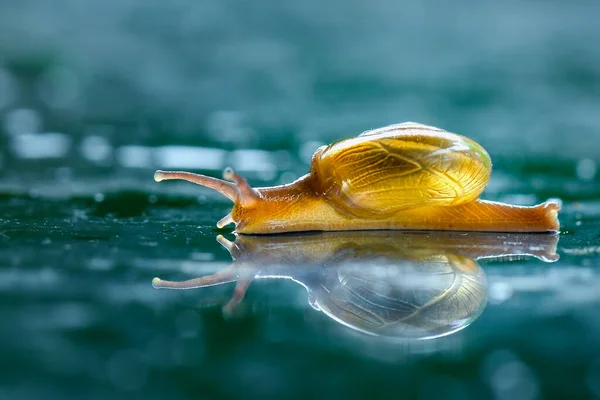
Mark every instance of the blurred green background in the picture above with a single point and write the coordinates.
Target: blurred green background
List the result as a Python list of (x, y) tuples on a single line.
[(96, 95)]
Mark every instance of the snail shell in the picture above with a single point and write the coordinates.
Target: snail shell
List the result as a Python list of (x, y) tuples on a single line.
[(401, 166)]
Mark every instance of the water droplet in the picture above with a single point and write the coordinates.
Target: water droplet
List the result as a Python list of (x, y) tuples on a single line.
[(514, 380), (586, 169), (79, 215), (499, 292), (41, 145), (509, 377), (96, 149), (152, 199), (99, 197)]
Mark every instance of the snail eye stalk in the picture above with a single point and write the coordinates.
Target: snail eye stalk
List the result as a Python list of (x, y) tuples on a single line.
[(225, 276), (247, 195), (227, 189)]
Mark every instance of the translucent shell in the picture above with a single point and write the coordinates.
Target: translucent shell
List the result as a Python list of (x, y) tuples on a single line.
[(402, 166)]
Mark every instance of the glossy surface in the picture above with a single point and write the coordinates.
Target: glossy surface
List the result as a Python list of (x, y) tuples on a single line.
[(76, 282), (394, 284), (404, 166)]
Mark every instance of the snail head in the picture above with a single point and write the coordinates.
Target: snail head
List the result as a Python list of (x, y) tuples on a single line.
[(234, 187)]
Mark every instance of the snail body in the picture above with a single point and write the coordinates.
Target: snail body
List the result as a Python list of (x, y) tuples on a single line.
[(402, 177)]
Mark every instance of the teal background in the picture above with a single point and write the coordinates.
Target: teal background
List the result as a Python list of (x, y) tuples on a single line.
[(94, 96)]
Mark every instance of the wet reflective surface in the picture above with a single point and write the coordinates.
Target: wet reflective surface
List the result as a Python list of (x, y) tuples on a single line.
[(97, 95), (417, 285), (502, 313)]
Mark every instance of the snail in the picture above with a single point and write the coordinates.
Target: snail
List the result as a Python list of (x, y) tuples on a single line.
[(407, 176), (417, 285)]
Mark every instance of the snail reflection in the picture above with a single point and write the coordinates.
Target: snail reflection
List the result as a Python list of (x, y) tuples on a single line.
[(395, 284)]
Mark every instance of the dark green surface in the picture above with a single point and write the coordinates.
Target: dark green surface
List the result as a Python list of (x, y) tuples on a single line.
[(82, 320), (82, 233)]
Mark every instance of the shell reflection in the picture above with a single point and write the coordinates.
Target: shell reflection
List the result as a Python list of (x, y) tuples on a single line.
[(395, 284), (428, 299)]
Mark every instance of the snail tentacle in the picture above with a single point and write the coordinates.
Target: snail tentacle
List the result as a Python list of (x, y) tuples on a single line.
[(227, 244), (225, 276), (239, 292), (247, 195), (227, 189), (226, 220)]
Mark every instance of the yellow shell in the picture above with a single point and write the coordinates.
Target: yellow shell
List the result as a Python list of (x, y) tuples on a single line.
[(399, 167)]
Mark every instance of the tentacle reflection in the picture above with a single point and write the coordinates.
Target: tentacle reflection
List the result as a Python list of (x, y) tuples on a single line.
[(397, 284)]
